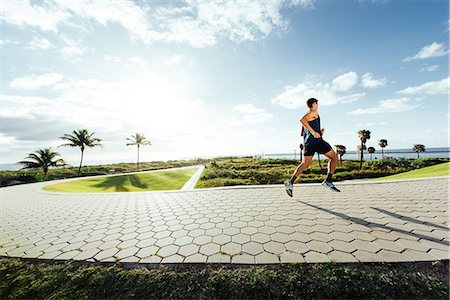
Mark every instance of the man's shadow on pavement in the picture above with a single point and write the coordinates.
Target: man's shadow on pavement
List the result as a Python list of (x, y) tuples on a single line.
[(374, 224)]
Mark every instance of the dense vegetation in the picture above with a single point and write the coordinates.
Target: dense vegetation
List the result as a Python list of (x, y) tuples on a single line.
[(255, 171)]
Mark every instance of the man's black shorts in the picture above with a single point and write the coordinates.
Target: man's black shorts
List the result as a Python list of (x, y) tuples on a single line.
[(322, 147)]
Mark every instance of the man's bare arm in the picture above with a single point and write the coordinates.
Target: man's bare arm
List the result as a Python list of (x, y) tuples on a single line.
[(305, 123)]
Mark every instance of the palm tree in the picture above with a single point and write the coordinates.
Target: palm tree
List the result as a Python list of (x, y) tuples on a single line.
[(340, 150), (81, 138), (364, 135), (382, 143), (138, 139), (358, 151), (42, 158), (301, 152), (371, 150), (418, 148)]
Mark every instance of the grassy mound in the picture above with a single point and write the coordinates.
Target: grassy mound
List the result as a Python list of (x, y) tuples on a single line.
[(436, 170), (152, 181)]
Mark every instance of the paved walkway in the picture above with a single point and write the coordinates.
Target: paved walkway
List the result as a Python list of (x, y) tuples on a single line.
[(190, 184), (385, 221)]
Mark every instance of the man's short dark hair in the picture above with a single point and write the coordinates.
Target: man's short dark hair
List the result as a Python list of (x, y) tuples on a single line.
[(311, 101)]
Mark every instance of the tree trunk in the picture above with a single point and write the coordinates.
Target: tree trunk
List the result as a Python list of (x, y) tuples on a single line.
[(382, 153), (417, 154), (361, 156), (138, 160), (81, 161), (318, 159)]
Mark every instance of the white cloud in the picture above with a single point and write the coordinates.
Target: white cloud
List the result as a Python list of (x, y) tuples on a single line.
[(248, 108), (196, 22), (40, 43), (387, 106), (137, 60), (14, 106), (174, 60), (8, 42), (250, 114), (371, 124), (71, 53), (112, 58), (431, 68), (22, 13), (35, 81), (428, 51), (327, 93), (344, 82), (350, 98), (303, 3), (144, 102), (440, 87), (369, 82)]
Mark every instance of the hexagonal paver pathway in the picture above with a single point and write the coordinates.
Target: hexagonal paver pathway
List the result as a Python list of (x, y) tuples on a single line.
[(368, 221)]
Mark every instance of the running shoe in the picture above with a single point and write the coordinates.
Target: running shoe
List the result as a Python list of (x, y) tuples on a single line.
[(330, 185), (289, 187)]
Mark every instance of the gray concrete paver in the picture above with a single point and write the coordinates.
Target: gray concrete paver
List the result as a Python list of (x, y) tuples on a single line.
[(385, 221)]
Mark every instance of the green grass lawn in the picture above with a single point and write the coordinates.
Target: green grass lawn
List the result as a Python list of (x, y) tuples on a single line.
[(436, 170), (152, 181), (22, 279)]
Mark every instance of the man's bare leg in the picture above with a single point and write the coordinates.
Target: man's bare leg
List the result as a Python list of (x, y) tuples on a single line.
[(301, 167), (299, 170), (332, 163)]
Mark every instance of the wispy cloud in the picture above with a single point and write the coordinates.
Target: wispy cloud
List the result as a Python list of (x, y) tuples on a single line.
[(371, 124), (369, 82), (327, 93), (431, 68), (40, 43), (249, 114), (174, 60), (35, 81), (137, 60), (198, 23), (22, 13), (440, 87), (387, 106), (113, 58), (428, 51), (4, 42)]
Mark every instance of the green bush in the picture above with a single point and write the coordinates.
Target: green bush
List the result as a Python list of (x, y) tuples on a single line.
[(425, 162)]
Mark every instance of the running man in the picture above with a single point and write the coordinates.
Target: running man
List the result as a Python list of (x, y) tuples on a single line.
[(312, 134)]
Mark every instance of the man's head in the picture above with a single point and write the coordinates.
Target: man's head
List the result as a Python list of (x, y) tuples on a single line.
[(312, 103)]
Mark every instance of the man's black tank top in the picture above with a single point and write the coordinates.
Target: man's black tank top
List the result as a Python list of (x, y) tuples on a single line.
[(308, 138)]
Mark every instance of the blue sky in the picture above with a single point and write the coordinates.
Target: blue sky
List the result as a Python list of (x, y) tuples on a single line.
[(201, 78)]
